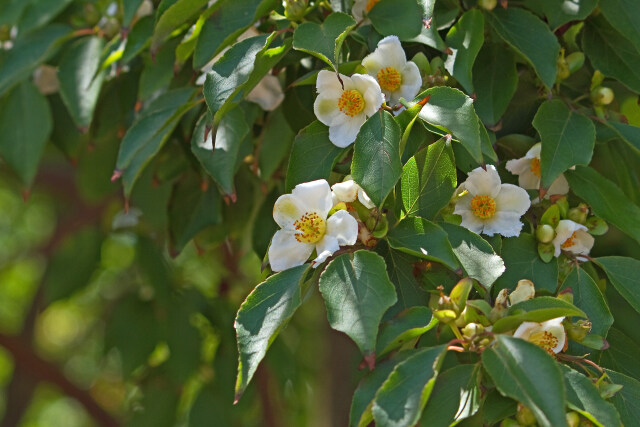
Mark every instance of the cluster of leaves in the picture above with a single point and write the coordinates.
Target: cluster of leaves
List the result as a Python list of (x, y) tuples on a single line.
[(118, 95)]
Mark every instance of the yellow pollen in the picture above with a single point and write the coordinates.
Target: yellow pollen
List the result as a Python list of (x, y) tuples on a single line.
[(370, 5), (483, 207), (544, 339), (570, 241), (351, 102), (310, 228), (389, 79), (535, 166)]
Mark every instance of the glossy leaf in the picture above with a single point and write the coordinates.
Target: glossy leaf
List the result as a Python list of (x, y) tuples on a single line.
[(495, 79), (357, 291), (39, 13), (387, 14), (275, 143), (560, 12), (465, 39), (628, 133), (627, 400), (621, 15), (539, 309), (138, 38), (584, 397), (588, 298), (623, 274), (324, 40), (429, 34), (526, 373), (177, 14), (408, 325)]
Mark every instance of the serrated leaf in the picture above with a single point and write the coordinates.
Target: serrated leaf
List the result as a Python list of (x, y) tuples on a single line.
[(424, 239), (402, 18), (589, 299), (324, 40), (526, 373), (402, 397), (567, 139), (606, 199), (495, 80), (22, 142), (357, 291), (312, 156), (537, 44), (465, 39), (429, 180), (376, 165), (261, 317)]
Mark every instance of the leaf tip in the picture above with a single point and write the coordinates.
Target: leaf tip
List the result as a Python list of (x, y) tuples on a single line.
[(370, 361), (542, 192), (117, 174)]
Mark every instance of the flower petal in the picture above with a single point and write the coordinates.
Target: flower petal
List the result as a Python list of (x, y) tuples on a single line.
[(559, 186), (346, 191), (512, 199), (286, 252), (365, 199), (345, 133), (582, 244), (518, 166), (326, 109), (483, 182), (327, 83), (314, 196), (411, 81), (268, 93), (343, 227), (325, 248), (507, 224), (528, 180), (390, 49), (534, 151), (287, 210), (470, 221), (564, 230)]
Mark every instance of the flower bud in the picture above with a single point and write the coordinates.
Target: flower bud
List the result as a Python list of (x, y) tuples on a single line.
[(597, 226), (445, 316), (487, 4), (573, 419), (575, 61), (577, 331), (602, 95), (524, 416), (381, 228), (545, 233), (508, 422), (472, 329), (577, 215), (295, 9)]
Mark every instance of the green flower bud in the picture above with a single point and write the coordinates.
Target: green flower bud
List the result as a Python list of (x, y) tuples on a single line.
[(472, 329), (508, 422), (597, 226), (577, 215), (342, 206), (577, 331), (573, 419), (545, 233), (295, 9), (487, 4), (602, 95), (381, 228), (90, 14), (524, 416)]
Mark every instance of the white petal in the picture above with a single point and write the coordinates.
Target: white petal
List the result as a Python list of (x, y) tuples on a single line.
[(564, 230), (286, 252), (287, 210), (534, 151), (524, 291), (373, 63), (470, 221), (325, 248), (411, 81), (518, 166), (529, 180), (345, 191), (327, 82), (506, 224), (344, 134), (524, 330), (582, 244), (343, 227), (390, 49), (268, 93), (370, 90), (364, 199), (314, 196), (559, 186), (326, 109), (483, 182), (358, 9), (512, 199)]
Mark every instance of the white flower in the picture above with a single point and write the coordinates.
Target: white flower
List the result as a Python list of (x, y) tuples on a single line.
[(572, 237), (348, 191), (302, 217), (528, 170), (549, 335), (525, 290), (488, 206), (346, 109), (361, 8), (268, 93), (397, 77)]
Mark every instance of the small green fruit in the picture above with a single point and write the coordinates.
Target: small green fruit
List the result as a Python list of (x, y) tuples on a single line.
[(602, 95), (545, 233), (573, 419), (524, 416), (488, 4)]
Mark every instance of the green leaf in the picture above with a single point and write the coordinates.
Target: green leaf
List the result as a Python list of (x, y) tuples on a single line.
[(261, 317), (583, 396), (621, 15), (623, 274), (628, 133), (611, 53), (429, 36), (28, 53), (559, 12), (402, 18), (495, 79), (455, 397), (11, 10), (78, 89), (627, 400), (148, 134), (606, 199), (424, 239), (139, 37), (402, 397), (408, 325), (129, 9), (465, 39), (588, 298), (526, 373), (158, 71), (360, 413), (376, 165), (218, 150), (452, 112), (475, 254), (623, 354), (39, 13), (567, 139), (276, 140), (324, 40), (357, 291), (537, 44), (429, 180), (520, 255), (176, 15), (312, 156), (539, 310), (25, 126)]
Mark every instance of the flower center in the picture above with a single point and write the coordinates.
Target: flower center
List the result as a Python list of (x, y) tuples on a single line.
[(389, 79), (370, 5), (310, 228), (351, 102), (535, 166), (483, 207), (544, 339), (570, 241)]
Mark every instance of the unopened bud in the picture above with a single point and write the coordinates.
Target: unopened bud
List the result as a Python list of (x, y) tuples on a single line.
[(472, 329), (573, 419), (578, 331), (381, 228), (577, 215), (295, 9), (524, 416), (545, 233), (602, 95), (487, 4)]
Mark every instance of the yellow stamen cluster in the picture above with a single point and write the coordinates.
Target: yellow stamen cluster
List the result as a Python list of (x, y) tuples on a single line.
[(535, 166), (310, 228), (370, 5), (544, 339), (389, 79), (483, 207), (570, 241), (351, 102)]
